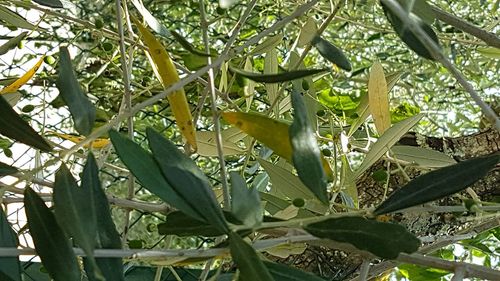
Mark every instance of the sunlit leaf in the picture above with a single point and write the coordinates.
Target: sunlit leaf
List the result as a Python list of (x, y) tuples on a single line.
[(385, 240), (378, 97), (489, 52), (82, 110), (306, 155), (13, 126), (277, 78), (270, 67), (23, 79), (167, 74), (439, 183), (12, 43), (422, 156), (97, 143), (269, 44), (245, 202), (331, 52), (207, 146), (307, 32), (285, 250), (10, 269), (250, 265), (53, 247)]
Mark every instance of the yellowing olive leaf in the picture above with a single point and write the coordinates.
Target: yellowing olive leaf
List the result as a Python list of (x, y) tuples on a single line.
[(207, 145), (167, 74), (386, 141), (97, 143), (12, 43), (23, 79), (277, 78), (331, 52), (307, 32), (385, 240), (422, 156), (378, 97), (269, 44), (438, 184), (285, 250)]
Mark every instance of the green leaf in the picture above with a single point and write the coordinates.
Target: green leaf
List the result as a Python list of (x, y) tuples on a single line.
[(50, 3), (7, 169), (408, 36), (269, 44), (12, 43), (14, 127), (74, 210), (82, 110), (186, 179), (306, 155), (186, 45), (386, 141), (438, 184), (385, 240), (279, 77), (331, 52), (142, 164), (285, 184), (13, 19), (10, 269), (107, 236), (53, 247), (250, 265), (422, 156), (281, 272), (178, 223), (489, 52), (245, 204)]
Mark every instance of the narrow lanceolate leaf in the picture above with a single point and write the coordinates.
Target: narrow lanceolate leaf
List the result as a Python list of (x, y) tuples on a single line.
[(385, 240), (421, 156), (50, 3), (97, 143), (250, 265), (306, 155), (408, 36), (331, 52), (13, 19), (13, 126), (190, 48), (307, 32), (7, 169), (269, 44), (281, 272), (207, 145), (273, 133), (12, 43), (23, 79), (386, 141), (53, 247), (186, 179), (167, 74), (246, 206), (107, 236), (82, 110), (74, 210), (279, 77), (10, 269), (270, 67), (144, 167), (177, 223), (439, 183), (378, 97)]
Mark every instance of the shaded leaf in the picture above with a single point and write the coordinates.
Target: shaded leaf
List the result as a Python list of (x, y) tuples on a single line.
[(306, 155), (10, 269), (166, 72), (279, 77), (408, 36), (249, 88), (250, 265), (23, 79), (142, 164), (82, 110), (281, 272), (13, 126), (385, 240), (12, 43), (245, 204), (187, 180), (7, 169), (386, 141), (50, 3), (422, 156), (378, 97), (13, 19), (270, 67), (207, 145), (177, 223), (269, 44), (190, 48), (438, 184), (107, 236), (331, 52), (51, 244), (74, 210)]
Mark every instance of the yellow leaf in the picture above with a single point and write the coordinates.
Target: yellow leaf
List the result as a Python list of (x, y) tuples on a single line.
[(285, 250), (272, 133), (23, 79), (167, 74), (97, 143), (378, 98)]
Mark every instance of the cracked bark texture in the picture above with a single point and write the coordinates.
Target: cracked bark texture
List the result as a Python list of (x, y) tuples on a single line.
[(335, 264)]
